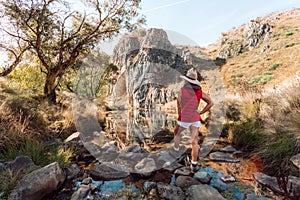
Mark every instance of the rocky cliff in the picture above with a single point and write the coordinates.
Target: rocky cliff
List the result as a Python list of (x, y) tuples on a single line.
[(149, 65), (252, 34)]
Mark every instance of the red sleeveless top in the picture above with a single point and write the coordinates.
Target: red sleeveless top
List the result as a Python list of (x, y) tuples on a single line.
[(190, 98)]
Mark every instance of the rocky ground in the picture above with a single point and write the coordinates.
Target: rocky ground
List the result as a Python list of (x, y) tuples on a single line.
[(136, 173)]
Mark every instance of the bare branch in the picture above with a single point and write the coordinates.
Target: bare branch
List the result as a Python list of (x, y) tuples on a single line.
[(18, 59)]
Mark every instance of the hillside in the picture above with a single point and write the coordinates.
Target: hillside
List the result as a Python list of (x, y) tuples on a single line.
[(264, 58)]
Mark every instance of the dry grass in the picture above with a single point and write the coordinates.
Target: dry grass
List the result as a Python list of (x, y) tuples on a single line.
[(279, 62), (25, 118), (267, 123)]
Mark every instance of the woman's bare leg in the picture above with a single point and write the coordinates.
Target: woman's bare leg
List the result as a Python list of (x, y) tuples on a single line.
[(177, 131), (195, 143)]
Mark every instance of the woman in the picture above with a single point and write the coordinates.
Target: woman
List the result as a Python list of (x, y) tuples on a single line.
[(188, 114)]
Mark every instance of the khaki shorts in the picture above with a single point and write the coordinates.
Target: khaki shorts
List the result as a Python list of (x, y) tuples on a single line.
[(188, 124)]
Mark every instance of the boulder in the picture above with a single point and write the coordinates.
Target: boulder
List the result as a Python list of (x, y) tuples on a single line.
[(145, 167), (296, 160), (21, 163), (81, 193), (183, 171), (203, 177), (39, 183), (184, 182), (270, 182), (109, 171), (228, 149), (203, 192), (222, 157), (169, 192), (73, 137)]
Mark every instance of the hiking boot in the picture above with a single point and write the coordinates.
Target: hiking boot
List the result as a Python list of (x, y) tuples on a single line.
[(177, 153), (194, 168)]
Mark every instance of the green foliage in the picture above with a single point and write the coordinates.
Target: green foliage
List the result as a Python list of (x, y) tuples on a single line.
[(96, 72), (28, 78), (268, 73), (259, 79), (290, 45), (35, 150), (277, 153), (239, 74), (287, 34), (274, 66), (39, 154), (248, 135), (9, 181)]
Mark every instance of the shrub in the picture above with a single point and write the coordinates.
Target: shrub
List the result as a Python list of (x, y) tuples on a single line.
[(39, 154), (287, 34), (277, 153), (248, 135), (28, 77), (9, 181), (239, 74), (290, 45), (268, 73), (260, 79), (274, 66)]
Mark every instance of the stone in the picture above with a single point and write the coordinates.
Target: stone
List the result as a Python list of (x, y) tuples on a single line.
[(203, 192), (183, 171), (228, 149), (74, 137), (81, 193), (87, 181), (39, 183), (237, 153), (166, 161), (169, 192), (72, 171), (131, 156), (149, 186), (203, 177), (222, 157), (109, 171), (218, 184), (184, 182), (272, 183), (228, 179), (145, 167), (110, 147), (296, 160), (21, 163)]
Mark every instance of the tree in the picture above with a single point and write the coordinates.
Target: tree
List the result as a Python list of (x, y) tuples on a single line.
[(60, 37)]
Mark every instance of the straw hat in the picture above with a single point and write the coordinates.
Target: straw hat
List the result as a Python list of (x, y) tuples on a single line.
[(191, 76)]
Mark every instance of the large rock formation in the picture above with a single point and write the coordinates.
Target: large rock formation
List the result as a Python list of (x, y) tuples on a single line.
[(149, 64), (253, 34)]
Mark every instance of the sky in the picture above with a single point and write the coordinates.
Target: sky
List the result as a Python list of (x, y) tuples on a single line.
[(199, 22)]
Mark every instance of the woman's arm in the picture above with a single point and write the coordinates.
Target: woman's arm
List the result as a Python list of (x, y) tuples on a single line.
[(208, 101), (178, 101)]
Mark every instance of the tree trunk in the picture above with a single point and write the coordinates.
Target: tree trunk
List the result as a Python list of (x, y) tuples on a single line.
[(50, 87)]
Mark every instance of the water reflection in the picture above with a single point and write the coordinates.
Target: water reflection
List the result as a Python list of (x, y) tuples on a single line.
[(141, 126)]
